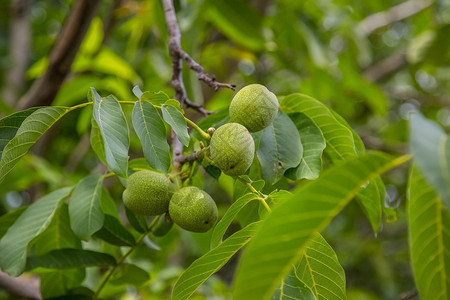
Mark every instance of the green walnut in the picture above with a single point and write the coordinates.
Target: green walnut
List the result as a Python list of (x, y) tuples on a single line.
[(232, 149), (254, 106), (147, 193), (193, 209)]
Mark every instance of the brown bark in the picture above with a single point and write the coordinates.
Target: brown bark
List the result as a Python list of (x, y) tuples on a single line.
[(45, 88), (20, 287), (178, 55)]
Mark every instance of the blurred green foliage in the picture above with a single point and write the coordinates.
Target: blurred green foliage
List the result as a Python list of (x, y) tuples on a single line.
[(319, 48)]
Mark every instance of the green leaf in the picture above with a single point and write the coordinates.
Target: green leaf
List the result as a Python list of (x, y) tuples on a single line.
[(130, 274), (138, 164), (86, 216), (58, 234), (276, 197), (342, 143), (115, 233), (241, 189), (107, 62), (138, 222), (429, 239), (313, 144), (108, 204), (239, 21), (13, 246), (212, 261), (320, 270), (430, 147), (10, 124), (137, 91), (31, 129), (7, 220), (222, 226), (59, 282), (114, 129), (280, 148), (371, 199), (286, 231), (213, 120), (176, 120), (70, 258), (152, 133), (158, 98), (293, 288), (97, 143), (339, 139), (176, 104), (359, 144)]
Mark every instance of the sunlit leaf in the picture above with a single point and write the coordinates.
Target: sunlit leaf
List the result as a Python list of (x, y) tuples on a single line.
[(313, 145), (320, 270), (112, 124), (208, 264), (429, 239), (32, 222), (158, 98), (222, 226), (286, 231), (371, 199), (338, 138), (342, 143), (280, 148), (97, 143), (152, 133), (10, 124), (176, 120), (293, 288), (86, 216), (430, 147), (31, 129)]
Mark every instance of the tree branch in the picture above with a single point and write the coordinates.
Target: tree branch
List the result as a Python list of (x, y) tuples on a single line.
[(409, 294), (45, 88), (394, 14), (21, 287), (19, 46), (386, 66), (177, 56)]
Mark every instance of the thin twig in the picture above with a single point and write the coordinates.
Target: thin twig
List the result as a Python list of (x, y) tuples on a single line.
[(394, 14), (122, 259), (177, 56), (209, 80), (409, 294), (386, 66)]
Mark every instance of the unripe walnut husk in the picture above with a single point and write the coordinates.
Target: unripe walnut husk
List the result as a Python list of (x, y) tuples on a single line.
[(232, 149), (147, 193), (193, 209), (254, 106)]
